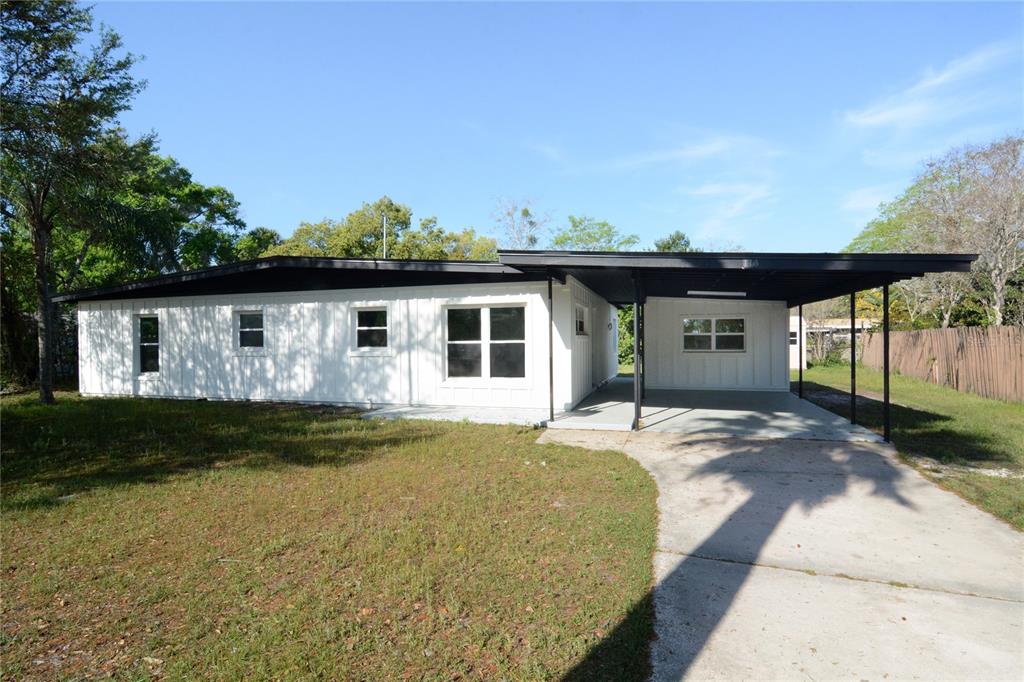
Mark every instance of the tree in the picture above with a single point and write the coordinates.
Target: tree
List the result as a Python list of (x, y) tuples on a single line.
[(676, 242), (60, 109), (256, 242), (586, 234), (997, 204), (522, 229), (360, 235), (970, 200)]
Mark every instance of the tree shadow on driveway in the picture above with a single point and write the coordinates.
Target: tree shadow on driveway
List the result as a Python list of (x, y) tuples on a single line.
[(696, 589)]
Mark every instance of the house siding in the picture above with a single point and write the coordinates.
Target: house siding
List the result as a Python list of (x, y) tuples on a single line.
[(762, 365), (308, 353)]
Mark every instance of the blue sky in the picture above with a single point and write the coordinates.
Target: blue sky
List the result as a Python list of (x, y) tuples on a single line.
[(774, 127)]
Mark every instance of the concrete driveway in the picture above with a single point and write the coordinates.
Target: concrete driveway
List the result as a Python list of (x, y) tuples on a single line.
[(794, 559)]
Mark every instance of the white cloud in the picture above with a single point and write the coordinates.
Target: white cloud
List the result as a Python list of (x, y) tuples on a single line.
[(936, 96)]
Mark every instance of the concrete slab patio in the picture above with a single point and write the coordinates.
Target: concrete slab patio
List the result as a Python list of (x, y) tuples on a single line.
[(762, 414), (796, 559)]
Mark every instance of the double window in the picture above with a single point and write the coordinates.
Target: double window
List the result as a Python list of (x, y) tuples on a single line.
[(714, 334), (149, 344), (486, 342)]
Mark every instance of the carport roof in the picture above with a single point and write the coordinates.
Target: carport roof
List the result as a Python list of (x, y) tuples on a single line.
[(795, 278)]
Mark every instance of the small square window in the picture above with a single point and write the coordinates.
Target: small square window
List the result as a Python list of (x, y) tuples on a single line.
[(250, 330), (372, 328)]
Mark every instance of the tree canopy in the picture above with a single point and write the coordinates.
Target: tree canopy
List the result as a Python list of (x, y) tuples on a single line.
[(969, 201), (361, 235), (584, 233)]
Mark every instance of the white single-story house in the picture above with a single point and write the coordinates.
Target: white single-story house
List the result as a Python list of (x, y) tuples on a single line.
[(537, 329)]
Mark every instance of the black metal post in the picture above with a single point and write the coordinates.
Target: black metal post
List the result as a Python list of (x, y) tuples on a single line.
[(800, 359), (853, 357), (551, 352), (886, 431), (637, 397), (643, 351)]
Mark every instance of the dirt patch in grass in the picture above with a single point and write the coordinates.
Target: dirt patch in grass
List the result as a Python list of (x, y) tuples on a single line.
[(148, 538)]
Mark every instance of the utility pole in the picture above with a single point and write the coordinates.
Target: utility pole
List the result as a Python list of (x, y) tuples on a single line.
[(385, 236)]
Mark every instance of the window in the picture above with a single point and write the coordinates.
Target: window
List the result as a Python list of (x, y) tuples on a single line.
[(487, 342), (149, 344), (508, 342), (250, 329), (714, 334), (581, 321), (793, 339), (372, 328)]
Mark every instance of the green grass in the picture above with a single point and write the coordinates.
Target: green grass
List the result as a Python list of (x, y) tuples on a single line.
[(203, 540), (966, 431)]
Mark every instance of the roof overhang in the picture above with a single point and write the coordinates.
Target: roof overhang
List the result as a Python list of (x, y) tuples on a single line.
[(298, 273), (796, 278), (620, 278)]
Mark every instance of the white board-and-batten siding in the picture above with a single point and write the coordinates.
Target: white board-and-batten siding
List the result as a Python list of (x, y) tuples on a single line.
[(761, 366), (309, 352)]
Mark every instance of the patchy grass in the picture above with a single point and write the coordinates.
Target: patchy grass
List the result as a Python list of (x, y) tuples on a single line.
[(150, 538), (971, 445)]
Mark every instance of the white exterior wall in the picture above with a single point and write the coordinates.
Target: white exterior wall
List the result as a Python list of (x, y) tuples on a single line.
[(763, 365), (591, 366), (309, 353)]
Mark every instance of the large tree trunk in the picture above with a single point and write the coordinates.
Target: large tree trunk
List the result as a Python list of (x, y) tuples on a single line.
[(998, 300), (41, 245)]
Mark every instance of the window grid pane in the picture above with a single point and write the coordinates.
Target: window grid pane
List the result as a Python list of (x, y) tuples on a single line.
[(250, 321), (729, 342), (464, 324), (465, 360), (508, 324), (149, 330), (372, 319), (508, 360)]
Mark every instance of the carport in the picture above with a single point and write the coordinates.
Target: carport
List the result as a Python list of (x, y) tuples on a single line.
[(633, 279), (757, 414)]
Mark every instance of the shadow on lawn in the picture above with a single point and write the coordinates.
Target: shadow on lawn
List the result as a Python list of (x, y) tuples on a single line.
[(914, 432), (50, 452), (696, 593)]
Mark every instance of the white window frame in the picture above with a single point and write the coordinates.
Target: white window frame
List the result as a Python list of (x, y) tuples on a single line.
[(236, 329), (581, 315), (485, 378), (714, 333), (137, 344), (389, 327)]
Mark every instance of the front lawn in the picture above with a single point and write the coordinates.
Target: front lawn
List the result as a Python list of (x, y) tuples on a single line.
[(969, 444), (184, 539)]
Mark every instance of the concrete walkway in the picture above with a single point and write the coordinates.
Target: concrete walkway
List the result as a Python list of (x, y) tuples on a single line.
[(792, 559), (761, 414)]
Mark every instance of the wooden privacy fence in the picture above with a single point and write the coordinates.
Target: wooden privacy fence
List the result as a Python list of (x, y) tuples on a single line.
[(988, 361)]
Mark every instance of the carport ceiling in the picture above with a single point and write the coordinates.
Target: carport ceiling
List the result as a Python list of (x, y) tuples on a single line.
[(792, 277)]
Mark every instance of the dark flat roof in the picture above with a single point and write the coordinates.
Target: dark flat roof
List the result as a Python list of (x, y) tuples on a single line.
[(792, 277), (301, 273)]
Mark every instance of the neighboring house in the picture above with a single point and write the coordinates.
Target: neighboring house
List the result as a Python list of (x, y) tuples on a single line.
[(536, 329)]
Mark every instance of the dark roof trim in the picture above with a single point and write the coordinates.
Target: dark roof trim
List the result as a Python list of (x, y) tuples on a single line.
[(896, 263), (279, 262)]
